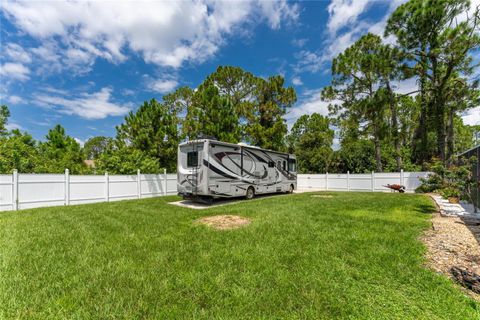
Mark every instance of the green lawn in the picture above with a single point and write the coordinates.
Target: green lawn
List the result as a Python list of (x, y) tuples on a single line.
[(355, 255)]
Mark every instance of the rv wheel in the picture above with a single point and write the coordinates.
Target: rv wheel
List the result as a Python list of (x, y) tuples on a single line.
[(290, 190), (250, 193)]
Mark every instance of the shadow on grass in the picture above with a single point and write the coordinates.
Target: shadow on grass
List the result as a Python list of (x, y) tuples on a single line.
[(425, 208)]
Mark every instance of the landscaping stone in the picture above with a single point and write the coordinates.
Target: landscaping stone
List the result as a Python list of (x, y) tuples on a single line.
[(454, 209), (467, 279)]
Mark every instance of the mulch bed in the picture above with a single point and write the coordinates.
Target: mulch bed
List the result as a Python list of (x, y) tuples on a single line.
[(454, 250)]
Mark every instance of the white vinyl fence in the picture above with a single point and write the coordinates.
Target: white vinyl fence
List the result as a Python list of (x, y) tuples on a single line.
[(23, 191), (374, 182)]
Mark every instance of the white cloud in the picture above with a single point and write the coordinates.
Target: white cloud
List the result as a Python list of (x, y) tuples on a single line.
[(13, 99), (407, 86), (344, 13), (16, 53), (472, 116), (14, 126), (299, 42), (97, 105), (278, 11), (79, 141), (162, 85), (297, 81), (308, 61), (310, 102), (15, 71), (344, 28), (166, 33)]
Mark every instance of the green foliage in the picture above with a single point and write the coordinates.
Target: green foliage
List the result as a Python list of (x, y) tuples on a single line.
[(357, 156), (95, 146), (439, 49), (454, 180), (361, 90), (4, 114), (266, 127), (18, 151), (60, 152), (152, 130), (121, 159), (212, 115), (311, 140)]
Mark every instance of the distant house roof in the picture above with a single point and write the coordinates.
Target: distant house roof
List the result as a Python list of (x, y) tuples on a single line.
[(89, 163)]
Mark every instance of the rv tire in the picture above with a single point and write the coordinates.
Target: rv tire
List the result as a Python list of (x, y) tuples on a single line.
[(250, 193), (290, 189)]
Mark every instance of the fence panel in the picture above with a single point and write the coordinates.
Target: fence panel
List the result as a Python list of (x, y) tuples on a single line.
[(360, 182), (40, 190), (6, 192), (171, 184), (87, 189), (337, 182), (311, 181), (43, 190), (122, 187), (151, 185), (411, 180)]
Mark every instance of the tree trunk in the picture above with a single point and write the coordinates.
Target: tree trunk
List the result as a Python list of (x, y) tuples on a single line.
[(396, 138), (450, 134), (421, 136), (378, 150)]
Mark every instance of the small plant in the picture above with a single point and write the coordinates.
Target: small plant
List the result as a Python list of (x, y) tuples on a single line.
[(450, 193), (453, 182)]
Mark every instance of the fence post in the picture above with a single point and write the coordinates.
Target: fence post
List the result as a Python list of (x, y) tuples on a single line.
[(348, 180), (373, 181), (326, 180), (164, 182), (402, 178), (107, 191), (139, 184), (15, 189), (67, 187)]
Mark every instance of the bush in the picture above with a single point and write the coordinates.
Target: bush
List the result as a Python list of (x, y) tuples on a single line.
[(455, 180)]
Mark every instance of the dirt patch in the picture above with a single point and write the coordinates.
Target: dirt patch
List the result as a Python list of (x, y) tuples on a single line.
[(322, 196), (224, 222), (452, 244)]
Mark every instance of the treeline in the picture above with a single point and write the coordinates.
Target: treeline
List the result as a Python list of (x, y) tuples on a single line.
[(434, 43), (378, 127)]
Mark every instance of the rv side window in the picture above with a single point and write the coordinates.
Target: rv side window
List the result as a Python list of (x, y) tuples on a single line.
[(271, 164), (292, 165), (192, 159)]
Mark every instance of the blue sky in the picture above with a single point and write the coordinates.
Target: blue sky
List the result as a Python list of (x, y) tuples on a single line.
[(86, 64)]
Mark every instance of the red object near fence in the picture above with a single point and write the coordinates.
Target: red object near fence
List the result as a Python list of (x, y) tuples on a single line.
[(396, 187)]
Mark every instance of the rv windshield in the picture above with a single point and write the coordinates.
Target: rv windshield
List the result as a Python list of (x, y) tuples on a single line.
[(292, 165)]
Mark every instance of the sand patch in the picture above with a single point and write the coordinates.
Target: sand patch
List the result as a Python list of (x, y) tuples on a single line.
[(224, 222)]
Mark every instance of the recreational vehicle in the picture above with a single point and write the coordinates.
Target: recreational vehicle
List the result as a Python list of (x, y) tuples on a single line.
[(209, 169)]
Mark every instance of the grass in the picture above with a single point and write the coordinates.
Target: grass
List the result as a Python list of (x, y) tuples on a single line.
[(355, 255)]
